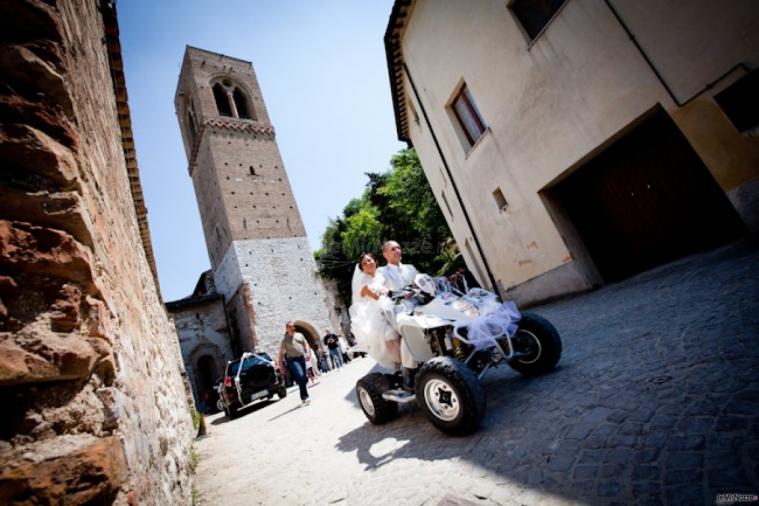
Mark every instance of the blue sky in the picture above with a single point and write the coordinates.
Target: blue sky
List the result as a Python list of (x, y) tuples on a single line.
[(322, 70)]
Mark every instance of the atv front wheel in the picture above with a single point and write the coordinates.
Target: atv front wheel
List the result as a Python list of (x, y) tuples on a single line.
[(282, 392), (450, 395), (539, 340), (369, 392)]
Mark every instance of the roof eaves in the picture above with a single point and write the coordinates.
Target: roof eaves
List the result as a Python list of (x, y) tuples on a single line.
[(189, 49), (191, 301), (116, 64), (399, 16)]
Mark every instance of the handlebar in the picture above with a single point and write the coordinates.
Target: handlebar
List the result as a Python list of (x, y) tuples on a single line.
[(396, 295), (411, 294)]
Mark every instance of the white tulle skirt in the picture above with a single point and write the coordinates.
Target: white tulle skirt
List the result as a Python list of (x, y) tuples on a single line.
[(374, 334)]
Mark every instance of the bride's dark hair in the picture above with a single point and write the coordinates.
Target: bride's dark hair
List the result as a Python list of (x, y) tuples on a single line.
[(361, 259)]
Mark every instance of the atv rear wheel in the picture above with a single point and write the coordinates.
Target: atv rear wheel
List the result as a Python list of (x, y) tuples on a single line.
[(450, 395), (369, 392), (540, 340)]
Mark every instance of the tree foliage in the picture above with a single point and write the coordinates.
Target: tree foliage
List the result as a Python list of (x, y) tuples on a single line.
[(396, 205)]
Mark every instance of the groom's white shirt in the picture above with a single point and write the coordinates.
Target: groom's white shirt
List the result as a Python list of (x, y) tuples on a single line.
[(397, 276)]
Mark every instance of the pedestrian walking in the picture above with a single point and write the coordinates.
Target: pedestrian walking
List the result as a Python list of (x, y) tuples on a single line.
[(310, 358), (323, 361), (291, 354), (332, 342), (344, 349)]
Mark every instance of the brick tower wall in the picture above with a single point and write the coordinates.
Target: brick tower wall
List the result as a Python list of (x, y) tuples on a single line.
[(255, 236)]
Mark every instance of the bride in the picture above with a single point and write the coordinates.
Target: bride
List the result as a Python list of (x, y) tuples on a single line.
[(367, 321)]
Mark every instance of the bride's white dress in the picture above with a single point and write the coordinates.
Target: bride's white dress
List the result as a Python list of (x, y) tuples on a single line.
[(368, 323)]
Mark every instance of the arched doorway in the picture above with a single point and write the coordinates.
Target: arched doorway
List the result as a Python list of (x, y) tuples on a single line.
[(207, 363), (309, 332), (204, 378)]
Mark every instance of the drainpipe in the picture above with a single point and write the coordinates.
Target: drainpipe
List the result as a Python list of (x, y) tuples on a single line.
[(453, 183)]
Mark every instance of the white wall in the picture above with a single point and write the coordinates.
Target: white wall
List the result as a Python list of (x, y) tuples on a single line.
[(284, 283)]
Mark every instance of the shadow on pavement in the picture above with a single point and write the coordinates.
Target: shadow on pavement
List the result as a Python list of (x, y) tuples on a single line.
[(294, 408), (416, 438), (656, 400), (244, 411)]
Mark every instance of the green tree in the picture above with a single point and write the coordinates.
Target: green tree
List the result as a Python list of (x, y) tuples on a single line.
[(363, 233), (396, 205)]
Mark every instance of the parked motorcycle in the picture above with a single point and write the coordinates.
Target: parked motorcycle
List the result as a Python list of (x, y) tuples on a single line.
[(456, 337)]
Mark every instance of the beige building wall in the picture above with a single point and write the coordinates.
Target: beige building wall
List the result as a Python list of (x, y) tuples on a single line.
[(551, 105)]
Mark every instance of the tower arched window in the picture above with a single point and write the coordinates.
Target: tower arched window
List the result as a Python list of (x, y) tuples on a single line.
[(193, 128), (222, 100), (241, 103)]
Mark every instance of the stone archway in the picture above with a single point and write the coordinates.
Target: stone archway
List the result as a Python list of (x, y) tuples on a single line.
[(205, 373), (310, 332), (207, 362)]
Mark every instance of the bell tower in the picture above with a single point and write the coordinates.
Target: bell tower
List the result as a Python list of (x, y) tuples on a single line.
[(257, 244)]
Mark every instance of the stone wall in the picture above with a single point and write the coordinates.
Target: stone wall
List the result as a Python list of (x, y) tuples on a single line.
[(94, 405), (338, 310), (242, 317), (284, 285), (203, 330)]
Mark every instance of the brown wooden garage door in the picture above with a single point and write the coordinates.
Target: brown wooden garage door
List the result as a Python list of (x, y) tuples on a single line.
[(647, 200)]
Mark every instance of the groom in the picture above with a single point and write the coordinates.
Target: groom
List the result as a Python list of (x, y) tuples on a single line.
[(397, 276)]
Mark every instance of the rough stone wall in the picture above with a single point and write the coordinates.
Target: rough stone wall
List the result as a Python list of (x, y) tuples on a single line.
[(94, 406), (243, 316), (338, 310), (202, 330), (284, 286)]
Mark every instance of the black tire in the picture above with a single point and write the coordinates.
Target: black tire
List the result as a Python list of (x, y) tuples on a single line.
[(282, 392), (450, 395), (546, 350), (369, 393), (232, 411)]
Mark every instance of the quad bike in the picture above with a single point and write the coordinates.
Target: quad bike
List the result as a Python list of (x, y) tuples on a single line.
[(456, 338)]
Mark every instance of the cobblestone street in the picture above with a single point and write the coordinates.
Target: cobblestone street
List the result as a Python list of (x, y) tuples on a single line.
[(655, 401)]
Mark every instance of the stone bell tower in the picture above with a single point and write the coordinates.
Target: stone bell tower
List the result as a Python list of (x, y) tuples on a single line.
[(257, 244)]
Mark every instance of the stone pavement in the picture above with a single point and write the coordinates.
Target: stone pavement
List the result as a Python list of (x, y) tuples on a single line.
[(655, 401)]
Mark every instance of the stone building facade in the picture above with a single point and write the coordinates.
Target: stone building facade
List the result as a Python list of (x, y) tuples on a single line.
[(204, 337), (95, 408), (261, 261), (574, 143)]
